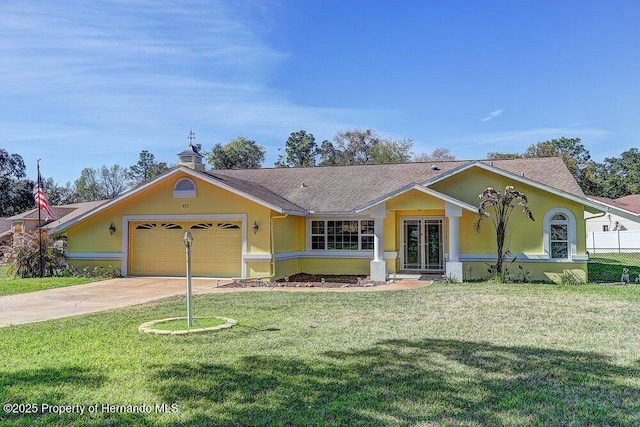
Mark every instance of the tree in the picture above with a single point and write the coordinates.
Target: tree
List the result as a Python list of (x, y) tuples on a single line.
[(501, 205), (146, 168), (574, 154), (16, 192), (238, 153), (495, 155), (87, 187), (23, 254), (329, 155), (392, 151), (621, 175), (98, 184), (437, 155), (59, 195), (571, 150), (300, 150), (114, 181), (358, 147)]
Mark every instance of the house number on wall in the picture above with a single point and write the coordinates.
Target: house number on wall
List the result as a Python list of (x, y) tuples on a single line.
[(185, 206)]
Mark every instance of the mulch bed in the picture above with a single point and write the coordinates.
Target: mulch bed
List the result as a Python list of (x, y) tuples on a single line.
[(302, 280)]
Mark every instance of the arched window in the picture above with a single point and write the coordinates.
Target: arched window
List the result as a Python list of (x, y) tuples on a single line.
[(184, 188), (560, 234)]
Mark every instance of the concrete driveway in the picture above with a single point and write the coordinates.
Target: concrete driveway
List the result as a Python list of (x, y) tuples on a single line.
[(123, 292), (94, 297)]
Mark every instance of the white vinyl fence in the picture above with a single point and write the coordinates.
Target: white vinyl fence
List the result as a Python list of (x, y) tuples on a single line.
[(613, 241)]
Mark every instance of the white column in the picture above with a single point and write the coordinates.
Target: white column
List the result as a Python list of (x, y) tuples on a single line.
[(453, 268), (454, 238), (378, 239), (378, 267)]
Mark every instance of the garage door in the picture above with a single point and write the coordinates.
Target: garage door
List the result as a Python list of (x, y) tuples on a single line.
[(156, 248)]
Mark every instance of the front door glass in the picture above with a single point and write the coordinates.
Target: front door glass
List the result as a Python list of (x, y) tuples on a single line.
[(422, 245), (413, 248)]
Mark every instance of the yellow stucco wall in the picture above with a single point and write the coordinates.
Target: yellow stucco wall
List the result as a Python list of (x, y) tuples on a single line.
[(523, 235), (91, 235), (287, 267), (288, 233), (335, 266)]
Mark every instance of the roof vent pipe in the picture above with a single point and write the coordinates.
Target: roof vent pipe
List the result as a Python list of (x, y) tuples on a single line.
[(303, 185), (435, 168)]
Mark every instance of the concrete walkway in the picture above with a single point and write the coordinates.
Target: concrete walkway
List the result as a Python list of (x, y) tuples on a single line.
[(123, 292)]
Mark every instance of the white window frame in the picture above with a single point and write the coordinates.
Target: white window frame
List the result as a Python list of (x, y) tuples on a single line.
[(184, 194), (572, 248), (310, 235)]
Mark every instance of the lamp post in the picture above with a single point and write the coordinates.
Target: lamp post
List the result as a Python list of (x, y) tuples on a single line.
[(188, 240)]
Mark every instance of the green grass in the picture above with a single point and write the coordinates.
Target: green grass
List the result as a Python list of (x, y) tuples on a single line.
[(607, 267), (181, 324), (450, 354), (11, 285)]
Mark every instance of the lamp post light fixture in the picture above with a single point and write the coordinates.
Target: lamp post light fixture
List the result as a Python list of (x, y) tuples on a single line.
[(188, 241)]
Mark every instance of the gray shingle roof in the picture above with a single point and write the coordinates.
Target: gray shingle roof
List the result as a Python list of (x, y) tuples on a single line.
[(345, 188), (258, 191), (61, 213), (629, 203)]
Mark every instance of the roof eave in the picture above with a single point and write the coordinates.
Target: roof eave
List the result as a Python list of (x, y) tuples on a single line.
[(422, 189), (523, 179), (630, 215), (201, 175)]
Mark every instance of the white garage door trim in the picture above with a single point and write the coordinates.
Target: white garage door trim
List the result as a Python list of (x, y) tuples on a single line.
[(126, 219)]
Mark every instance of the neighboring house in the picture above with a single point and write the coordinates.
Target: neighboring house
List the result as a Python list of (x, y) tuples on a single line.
[(371, 220), (5, 230), (612, 222), (28, 221), (618, 229)]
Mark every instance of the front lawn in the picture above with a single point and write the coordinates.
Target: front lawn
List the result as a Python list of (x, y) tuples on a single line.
[(10, 285), (449, 354)]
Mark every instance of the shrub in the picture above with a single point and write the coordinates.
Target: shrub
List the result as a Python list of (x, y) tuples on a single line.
[(108, 272), (23, 254)]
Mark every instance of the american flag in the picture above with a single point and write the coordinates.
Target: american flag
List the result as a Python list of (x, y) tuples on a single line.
[(41, 198)]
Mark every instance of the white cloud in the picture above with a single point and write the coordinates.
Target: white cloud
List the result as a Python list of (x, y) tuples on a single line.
[(492, 115)]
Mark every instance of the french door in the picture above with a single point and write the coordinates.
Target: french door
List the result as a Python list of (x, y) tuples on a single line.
[(422, 244)]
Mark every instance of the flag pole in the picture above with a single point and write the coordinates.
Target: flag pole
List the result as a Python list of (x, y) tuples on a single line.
[(40, 260)]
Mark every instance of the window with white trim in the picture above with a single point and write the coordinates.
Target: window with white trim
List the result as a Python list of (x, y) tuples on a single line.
[(559, 236), (184, 188), (342, 235)]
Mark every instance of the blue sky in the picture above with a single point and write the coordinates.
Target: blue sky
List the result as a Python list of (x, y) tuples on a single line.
[(92, 83)]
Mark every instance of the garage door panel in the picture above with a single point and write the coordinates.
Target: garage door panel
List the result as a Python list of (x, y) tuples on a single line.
[(156, 248)]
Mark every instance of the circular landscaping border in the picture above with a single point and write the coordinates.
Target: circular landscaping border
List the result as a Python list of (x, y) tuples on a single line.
[(148, 326)]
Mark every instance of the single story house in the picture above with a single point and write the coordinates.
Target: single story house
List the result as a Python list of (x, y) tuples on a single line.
[(371, 220), (629, 206)]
